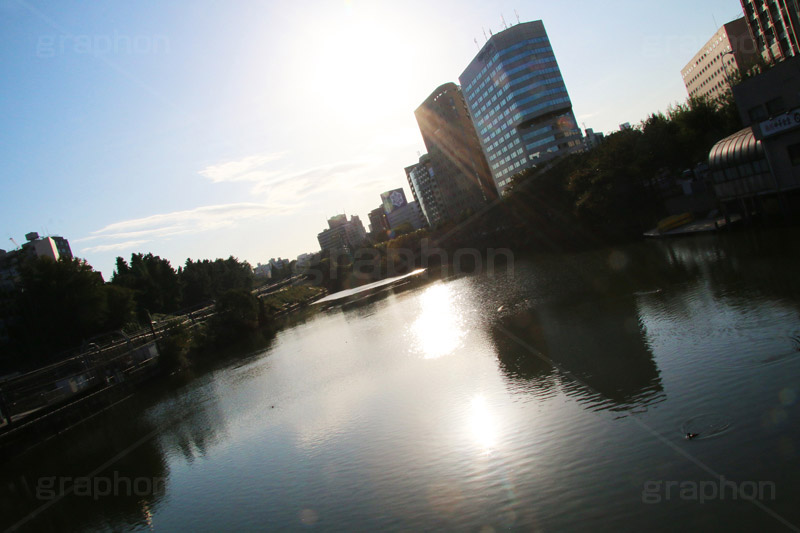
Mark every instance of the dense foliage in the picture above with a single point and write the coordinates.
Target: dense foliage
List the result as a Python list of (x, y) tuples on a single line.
[(58, 305), (159, 288), (615, 190)]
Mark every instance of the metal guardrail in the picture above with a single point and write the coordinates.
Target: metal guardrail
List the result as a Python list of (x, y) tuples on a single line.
[(95, 367)]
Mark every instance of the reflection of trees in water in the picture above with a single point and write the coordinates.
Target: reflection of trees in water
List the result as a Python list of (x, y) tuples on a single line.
[(184, 422), (50, 470), (742, 266), (198, 423)]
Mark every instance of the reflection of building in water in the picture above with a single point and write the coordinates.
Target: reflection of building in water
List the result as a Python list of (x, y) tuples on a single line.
[(596, 348)]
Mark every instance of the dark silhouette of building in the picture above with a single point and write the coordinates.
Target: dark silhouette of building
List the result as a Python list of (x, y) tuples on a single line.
[(424, 187), (460, 170), (377, 221)]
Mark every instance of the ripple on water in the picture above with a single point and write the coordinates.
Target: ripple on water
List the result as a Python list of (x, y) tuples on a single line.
[(706, 426), (762, 352)]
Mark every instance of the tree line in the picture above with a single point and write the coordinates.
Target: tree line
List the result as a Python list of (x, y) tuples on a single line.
[(59, 305)]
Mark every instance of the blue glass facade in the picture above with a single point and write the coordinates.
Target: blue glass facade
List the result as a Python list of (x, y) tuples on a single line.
[(519, 102)]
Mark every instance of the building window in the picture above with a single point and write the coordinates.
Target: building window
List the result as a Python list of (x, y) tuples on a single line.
[(794, 154), (775, 106), (757, 113)]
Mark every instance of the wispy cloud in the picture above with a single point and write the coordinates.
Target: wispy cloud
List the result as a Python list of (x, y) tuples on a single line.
[(251, 168), (135, 232), (295, 186), (127, 245), (283, 190), (284, 183)]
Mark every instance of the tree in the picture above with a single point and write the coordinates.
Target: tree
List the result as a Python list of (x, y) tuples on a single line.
[(59, 304), (201, 281), (236, 312), (153, 280)]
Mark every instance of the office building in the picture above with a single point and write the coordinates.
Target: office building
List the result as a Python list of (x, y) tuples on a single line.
[(592, 140), (519, 102), (62, 245), (459, 165), (729, 51), (774, 26), (52, 247), (410, 214), (425, 189), (342, 235), (399, 212), (377, 221)]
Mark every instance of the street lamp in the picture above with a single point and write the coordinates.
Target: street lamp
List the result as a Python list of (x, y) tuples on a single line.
[(725, 67)]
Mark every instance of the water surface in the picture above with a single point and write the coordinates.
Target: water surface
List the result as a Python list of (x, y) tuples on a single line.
[(553, 397)]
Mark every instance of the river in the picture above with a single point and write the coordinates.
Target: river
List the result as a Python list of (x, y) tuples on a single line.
[(553, 395)]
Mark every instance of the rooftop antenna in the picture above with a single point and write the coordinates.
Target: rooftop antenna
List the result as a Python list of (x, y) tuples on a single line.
[(476, 43), (484, 34), (517, 14), (505, 26), (15, 242), (490, 32), (715, 21)]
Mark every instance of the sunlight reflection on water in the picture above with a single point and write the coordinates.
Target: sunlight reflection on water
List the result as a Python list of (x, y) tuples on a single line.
[(438, 331)]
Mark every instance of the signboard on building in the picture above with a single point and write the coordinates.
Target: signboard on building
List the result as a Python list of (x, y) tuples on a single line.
[(787, 121), (393, 199)]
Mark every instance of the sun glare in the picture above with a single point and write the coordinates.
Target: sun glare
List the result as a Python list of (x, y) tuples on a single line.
[(360, 62), (438, 330)]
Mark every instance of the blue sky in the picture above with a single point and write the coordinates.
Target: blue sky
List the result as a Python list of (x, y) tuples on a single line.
[(200, 129)]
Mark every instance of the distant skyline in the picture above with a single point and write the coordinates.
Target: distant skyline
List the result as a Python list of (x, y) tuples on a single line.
[(202, 130)]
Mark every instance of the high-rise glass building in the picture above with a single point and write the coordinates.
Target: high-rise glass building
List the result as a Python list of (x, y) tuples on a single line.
[(459, 166), (519, 102)]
